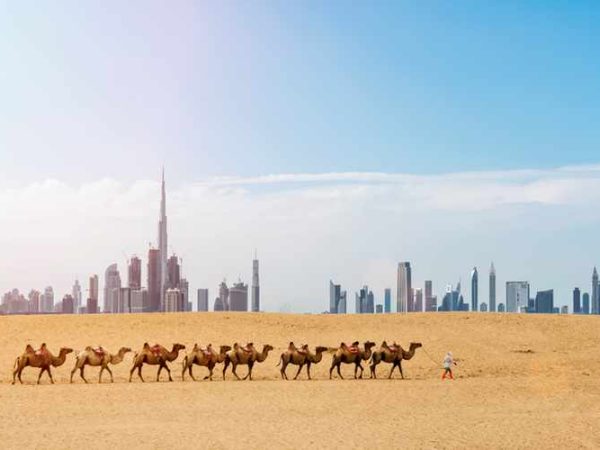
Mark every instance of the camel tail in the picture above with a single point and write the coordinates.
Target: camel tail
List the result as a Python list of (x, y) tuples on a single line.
[(16, 362), (280, 359)]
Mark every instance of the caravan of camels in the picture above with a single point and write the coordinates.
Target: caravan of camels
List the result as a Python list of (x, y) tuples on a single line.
[(208, 357)]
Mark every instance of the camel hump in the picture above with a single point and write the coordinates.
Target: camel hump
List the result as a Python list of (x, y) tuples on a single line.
[(29, 349), (89, 348)]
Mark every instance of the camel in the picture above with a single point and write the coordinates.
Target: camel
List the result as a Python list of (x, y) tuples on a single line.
[(155, 355), (245, 356), (351, 355), (42, 358), (300, 358), (203, 357), (98, 357), (392, 355)]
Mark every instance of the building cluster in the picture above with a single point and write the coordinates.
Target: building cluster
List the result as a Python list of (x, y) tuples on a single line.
[(166, 290), (518, 297)]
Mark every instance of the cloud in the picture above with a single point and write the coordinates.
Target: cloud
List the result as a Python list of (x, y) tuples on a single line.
[(353, 227)]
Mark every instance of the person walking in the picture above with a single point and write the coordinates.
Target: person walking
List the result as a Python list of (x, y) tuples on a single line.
[(448, 363)]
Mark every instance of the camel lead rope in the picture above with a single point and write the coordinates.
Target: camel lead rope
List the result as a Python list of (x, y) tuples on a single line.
[(432, 360)]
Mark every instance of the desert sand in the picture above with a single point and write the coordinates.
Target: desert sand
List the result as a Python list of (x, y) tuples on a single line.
[(522, 381)]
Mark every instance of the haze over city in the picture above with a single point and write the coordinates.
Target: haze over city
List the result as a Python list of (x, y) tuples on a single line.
[(335, 141)]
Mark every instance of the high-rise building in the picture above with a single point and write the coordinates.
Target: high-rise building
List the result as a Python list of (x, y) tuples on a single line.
[(112, 284), (585, 307), (576, 301), (365, 301), (34, 301), (404, 291), (517, 296), (68, 304), (431, 304), (492, 305), (218, 306), (139, 301), (134, 273), (370, 309), (202, 299), (335, 291), (342, 308), (238, 297), (224, 295), (255, 285), (173, 273), (184, 287), (379, 308), (429, 296), (483, 307), (48, 300), (387, 300), (162, 247), (154, 280), (474, 290), (173, 300), (595, 293), (123, 299), (453, 300), (418, 300), (544, 302), (92, 301), (77, 297)]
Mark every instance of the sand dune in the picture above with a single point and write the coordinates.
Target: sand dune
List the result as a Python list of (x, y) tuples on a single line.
[(523, 381)]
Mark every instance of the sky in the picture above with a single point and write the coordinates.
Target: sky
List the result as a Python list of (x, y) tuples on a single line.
[(337, 138)]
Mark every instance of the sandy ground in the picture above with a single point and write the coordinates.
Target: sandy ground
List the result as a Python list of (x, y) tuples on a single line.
[(522, 382)]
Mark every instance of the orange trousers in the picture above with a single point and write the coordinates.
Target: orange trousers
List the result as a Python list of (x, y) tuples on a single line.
[(449, 373)]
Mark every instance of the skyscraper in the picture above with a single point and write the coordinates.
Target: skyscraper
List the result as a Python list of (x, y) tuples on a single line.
[(154, 281), (334, 297), (76, 293), (202, 299), (173, 300), (238, 297), (342, 309), (112, 284), (418, 300), (585, 309), (68, 304), (474, 290), (48, 300), (162, 246), (404, 290), (576, 301), (173, 273), (134, 273), (492, 305), (595, 298), (387, 302), (517, 296), (255, 285), (184, 287), (544, 302), (224, 295), (34, 301), (92, 301)]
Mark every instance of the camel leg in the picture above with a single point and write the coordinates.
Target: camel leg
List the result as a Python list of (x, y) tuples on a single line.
[(50, 375), (298, 373), (282, 370), (72, 372), (361, 370), (308, 371), (140, 372), (372, 367), (339, 371), (111, 374), (190, 372), (394, 365), (225, 365), (233, 367), (249, 374), (331, 368), (400, 369), (169, 372), (100, 374), (42, 370), (19, 374), (81, 374), (160, 368), (15, 372)]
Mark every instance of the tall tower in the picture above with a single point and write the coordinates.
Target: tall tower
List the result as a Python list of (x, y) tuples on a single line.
[(595, 299), (134, 275), (492, 289), (255, 285), (162, 240), (474, 290), (404, 291)]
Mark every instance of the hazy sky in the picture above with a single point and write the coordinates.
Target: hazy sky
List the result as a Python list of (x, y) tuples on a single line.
[(336, 138)]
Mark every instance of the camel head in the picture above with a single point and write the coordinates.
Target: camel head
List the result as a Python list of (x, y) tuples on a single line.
[(304, 347), (415, 345), (178, 347), (369, 345), (224, 349), (321, 349), (267, 348), (65, 351), (124, 350)]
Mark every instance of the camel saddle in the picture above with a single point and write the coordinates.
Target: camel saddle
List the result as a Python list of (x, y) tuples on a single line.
[(156, 350), (394, 348), (352, 348), (99, 351)]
